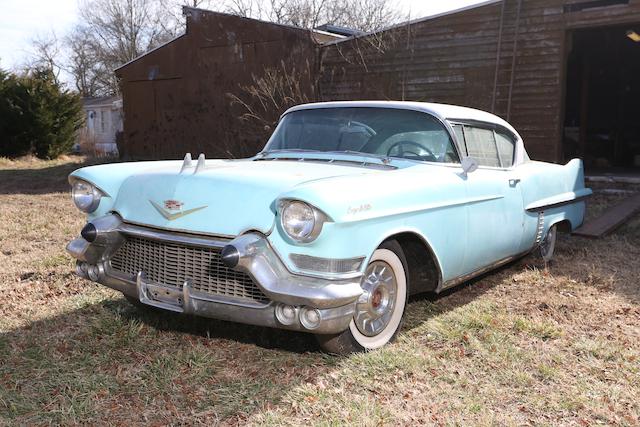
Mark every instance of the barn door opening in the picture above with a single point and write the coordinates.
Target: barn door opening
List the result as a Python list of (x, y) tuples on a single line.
[(602, 104)]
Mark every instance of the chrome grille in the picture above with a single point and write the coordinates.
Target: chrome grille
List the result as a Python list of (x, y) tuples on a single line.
[(171, 264)]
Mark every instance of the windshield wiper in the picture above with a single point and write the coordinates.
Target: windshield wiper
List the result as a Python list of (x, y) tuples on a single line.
[(383, 159), (291, 150), (261, 155)]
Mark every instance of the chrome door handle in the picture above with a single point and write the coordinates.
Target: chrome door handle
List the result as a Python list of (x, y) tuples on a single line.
[(513, 182)]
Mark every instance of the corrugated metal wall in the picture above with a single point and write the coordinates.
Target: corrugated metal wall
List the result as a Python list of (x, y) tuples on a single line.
[(176, 98), (467, 58)]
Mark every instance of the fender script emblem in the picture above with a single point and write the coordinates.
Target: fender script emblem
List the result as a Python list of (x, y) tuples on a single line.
[(173, 205)]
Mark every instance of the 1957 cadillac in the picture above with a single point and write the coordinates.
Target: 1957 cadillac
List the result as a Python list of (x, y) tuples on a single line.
[(350, 208)]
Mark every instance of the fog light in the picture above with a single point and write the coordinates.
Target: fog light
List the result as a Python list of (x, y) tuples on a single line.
[(286, 314), (310, 317), (94, 272)]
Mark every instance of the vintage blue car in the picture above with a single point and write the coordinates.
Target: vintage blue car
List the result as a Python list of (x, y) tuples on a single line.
[(350, 208)]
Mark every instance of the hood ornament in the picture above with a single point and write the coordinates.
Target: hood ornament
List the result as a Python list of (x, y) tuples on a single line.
[(187, 163), (172, 209)]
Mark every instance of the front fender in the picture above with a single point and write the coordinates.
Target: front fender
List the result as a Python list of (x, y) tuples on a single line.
[(366, 210), (109, 177)]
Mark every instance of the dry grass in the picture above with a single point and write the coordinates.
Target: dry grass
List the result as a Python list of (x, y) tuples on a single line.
[(519, 346)]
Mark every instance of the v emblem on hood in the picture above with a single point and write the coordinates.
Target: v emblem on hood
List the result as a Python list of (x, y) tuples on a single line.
[(174, 215)]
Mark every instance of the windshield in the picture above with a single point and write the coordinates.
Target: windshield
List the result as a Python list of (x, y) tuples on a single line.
[(378, 131)]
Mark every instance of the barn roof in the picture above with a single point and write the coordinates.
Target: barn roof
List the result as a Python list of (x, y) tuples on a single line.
[(189, 11), (416, 21)]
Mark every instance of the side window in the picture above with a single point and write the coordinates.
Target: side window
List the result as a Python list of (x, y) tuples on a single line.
[(481, 145), (506, 147), (431, 145)]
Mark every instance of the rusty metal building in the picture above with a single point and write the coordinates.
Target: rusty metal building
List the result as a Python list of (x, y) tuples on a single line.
[(565, 73), (183, 96)]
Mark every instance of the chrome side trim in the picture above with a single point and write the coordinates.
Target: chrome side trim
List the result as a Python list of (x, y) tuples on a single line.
[(560, 200)]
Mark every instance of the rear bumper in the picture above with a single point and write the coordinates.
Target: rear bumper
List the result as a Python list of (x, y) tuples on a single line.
[(333, 299)]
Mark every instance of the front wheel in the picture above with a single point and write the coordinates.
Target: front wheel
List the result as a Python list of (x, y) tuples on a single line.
[(380, 309)]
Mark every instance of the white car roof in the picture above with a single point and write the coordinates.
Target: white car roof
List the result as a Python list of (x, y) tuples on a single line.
[(441, 111)]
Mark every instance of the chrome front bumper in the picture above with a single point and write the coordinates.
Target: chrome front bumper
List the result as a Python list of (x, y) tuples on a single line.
[(333, 299)]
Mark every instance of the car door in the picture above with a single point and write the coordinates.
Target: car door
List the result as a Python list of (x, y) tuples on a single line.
[(495, 211)]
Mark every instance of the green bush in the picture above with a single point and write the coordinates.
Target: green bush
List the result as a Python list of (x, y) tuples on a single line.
[(37, 116)]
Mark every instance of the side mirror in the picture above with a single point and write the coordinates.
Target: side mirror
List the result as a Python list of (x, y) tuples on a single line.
[(469, 164)]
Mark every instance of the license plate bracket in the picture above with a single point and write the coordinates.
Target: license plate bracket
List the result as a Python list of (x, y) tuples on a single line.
[(166, 297)]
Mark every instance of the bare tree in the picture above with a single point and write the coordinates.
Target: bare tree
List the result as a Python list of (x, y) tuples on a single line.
[(46, 54), (364, 15), (83, 64), (247, 8), (120, 30), (113, 32)]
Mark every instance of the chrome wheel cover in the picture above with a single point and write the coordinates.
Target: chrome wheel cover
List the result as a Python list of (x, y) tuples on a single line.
[(376, 304)]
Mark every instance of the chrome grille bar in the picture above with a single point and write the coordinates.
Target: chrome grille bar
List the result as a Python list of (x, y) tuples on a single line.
[(172, 263)]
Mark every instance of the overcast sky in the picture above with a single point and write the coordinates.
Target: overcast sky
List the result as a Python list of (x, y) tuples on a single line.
[(21, 21)]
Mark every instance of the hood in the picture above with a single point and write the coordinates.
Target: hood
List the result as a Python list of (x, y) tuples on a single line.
[(223, 198)]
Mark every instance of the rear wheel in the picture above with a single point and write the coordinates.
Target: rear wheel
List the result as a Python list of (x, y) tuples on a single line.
[(548, 245), (380, 309), (544, 252)]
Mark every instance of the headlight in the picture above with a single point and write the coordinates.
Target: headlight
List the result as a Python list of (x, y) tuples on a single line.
[(301, 221), (85, 196)]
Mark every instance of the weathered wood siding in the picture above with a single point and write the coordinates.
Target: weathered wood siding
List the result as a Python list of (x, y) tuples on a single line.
[(455, 59), (176, 98)]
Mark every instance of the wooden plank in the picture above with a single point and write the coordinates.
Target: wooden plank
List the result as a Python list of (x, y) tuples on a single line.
[(611, 219)]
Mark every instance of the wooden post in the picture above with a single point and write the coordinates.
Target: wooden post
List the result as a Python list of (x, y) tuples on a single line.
[(584, 106)]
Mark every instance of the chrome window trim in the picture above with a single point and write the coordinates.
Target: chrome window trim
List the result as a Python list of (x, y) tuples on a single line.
[(444, 123), (517, 141)]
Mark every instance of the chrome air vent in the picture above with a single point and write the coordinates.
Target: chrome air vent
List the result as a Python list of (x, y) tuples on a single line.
[(540, 230)]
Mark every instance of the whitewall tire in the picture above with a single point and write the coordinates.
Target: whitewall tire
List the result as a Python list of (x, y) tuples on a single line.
[(380, 309)]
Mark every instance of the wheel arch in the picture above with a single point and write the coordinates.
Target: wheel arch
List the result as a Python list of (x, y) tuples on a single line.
[(563, 225), (425, 271)]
